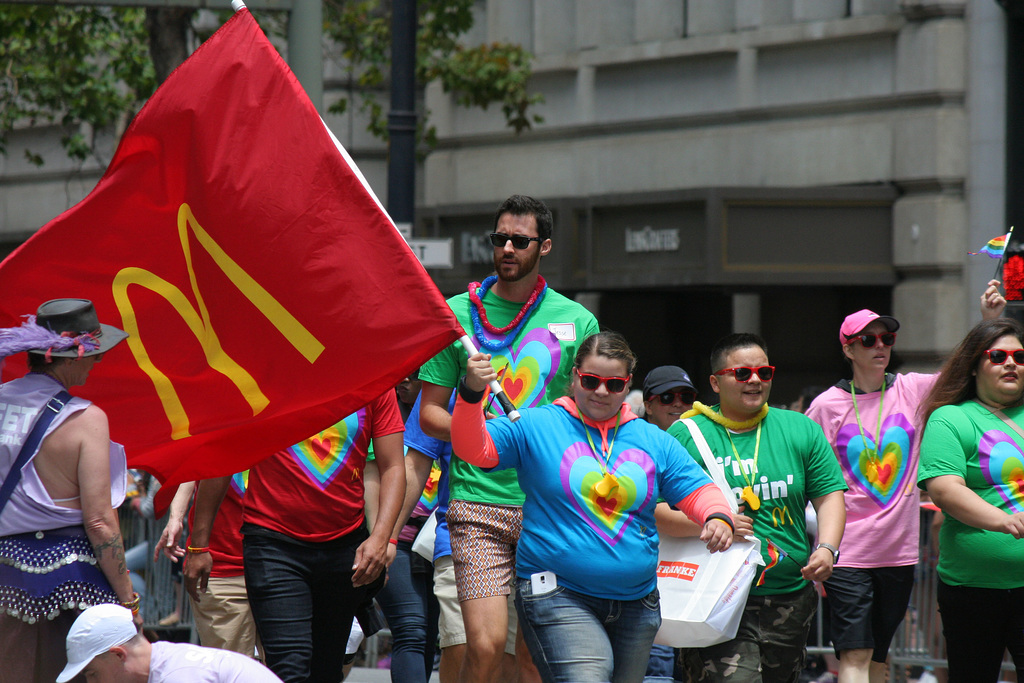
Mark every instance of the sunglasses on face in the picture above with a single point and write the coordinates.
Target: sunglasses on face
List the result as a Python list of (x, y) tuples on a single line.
[(868, 341), (744, 374), (592, 382), (500, 239), (667, 398), (999, 356)]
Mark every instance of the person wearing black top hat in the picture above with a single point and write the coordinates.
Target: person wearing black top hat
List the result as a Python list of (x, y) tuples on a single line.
[(60, 542)]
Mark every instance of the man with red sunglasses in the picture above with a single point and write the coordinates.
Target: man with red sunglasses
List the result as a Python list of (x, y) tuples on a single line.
[(775, 461), (873, 425)]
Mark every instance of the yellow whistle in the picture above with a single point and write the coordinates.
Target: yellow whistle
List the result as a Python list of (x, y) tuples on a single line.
[(750, 498), (607, 485)]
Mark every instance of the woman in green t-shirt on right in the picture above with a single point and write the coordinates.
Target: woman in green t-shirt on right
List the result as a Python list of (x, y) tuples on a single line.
[(972, 465)]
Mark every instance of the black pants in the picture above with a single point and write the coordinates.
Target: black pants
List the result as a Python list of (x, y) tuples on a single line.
[(979, 625), (303, 601)]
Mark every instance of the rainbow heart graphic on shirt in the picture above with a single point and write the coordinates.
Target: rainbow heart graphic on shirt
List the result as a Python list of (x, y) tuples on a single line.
[(240, 482), (323, 455), (1002, 465), (532, 362), (881, 475), (608, 512), (428, 499)]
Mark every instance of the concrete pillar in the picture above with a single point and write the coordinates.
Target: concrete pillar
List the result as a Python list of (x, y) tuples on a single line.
[(986, 162), (590, 301), (305, 30)]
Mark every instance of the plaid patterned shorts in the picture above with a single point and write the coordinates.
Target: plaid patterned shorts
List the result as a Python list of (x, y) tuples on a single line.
[(483, 541)]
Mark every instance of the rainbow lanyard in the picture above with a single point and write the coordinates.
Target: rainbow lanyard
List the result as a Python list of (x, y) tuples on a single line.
[(872, 452), (608, 483), (748, 494)]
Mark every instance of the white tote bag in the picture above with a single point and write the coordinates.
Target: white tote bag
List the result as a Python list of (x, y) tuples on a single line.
[(703, 593), (423, 545)]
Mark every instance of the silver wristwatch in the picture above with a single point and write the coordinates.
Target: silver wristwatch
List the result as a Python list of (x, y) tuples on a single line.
[(832, 549)]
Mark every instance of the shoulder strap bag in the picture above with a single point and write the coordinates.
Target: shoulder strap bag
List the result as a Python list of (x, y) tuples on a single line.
[(31, 446)]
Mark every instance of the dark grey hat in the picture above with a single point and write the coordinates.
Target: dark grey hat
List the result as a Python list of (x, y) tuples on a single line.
[(74, 317), (666, 377)]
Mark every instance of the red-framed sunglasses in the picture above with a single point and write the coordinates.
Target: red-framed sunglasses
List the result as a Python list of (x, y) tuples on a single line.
[(999, 356), (868, 341), (745, 374), (592, 382)]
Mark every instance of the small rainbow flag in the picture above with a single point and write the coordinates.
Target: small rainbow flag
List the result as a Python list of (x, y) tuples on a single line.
[(428, 499), (775, 555), (995, 247)]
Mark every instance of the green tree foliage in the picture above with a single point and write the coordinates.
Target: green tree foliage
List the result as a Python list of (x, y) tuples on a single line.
[(71, 66), (478, 76), (75, 65)]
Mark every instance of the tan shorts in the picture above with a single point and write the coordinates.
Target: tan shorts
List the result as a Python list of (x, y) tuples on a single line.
[(223, 619), (450, 626), (483, 539)]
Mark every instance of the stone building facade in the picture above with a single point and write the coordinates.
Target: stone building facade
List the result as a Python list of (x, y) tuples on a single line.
[(713, 165), (754, 165)]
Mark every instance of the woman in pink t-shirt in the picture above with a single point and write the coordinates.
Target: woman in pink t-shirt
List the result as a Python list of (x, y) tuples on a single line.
[(874, 425)]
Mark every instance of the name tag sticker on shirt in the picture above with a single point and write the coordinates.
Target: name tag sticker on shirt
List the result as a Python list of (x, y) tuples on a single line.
[(543, 582), (563, 331)]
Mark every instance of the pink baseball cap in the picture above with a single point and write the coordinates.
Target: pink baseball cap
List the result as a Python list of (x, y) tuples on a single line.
[(855, 322)]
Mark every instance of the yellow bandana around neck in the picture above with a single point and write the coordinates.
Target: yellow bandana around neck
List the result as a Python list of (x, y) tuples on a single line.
[(701, 409)]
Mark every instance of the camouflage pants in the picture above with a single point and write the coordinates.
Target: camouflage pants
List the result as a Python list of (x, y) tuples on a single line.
[(769, 646)]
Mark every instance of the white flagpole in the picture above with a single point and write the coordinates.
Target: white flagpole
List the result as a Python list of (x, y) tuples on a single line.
[(506, 404)]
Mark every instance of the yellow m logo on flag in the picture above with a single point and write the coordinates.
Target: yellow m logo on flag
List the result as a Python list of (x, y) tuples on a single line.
[(199, 323)]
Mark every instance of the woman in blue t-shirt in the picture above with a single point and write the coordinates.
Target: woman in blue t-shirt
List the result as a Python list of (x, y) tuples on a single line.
[(592, 474)]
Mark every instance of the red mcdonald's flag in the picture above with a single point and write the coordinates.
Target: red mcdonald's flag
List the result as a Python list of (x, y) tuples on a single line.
[(266, 292)]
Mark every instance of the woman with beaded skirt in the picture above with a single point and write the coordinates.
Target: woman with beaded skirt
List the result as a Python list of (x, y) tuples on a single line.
[(60, 542)]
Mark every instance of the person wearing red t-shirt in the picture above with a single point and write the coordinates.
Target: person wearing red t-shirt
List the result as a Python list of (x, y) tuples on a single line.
[(310, 561), (222, 618)]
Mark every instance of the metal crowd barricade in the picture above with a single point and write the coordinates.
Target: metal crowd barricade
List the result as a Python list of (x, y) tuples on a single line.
[(164, 594), (918, 643)]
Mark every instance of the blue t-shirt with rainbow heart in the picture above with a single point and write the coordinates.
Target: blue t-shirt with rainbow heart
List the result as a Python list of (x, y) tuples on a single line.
[(598, 541)]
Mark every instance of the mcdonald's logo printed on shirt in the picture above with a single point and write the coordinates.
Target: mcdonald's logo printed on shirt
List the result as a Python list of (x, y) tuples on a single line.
[(266, 292)]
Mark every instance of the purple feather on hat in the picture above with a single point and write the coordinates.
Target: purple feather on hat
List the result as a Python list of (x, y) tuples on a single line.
[(33, 337)]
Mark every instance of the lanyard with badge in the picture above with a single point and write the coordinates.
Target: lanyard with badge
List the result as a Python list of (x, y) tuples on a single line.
[(873, 459), (747, 494)]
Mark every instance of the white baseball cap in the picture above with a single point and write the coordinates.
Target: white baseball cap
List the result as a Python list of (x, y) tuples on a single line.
[(95, 631)]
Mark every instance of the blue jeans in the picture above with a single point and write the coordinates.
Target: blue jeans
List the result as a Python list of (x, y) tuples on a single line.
[(576, 637), (303, 601), (135, 561), (661, 664), (410, 607)]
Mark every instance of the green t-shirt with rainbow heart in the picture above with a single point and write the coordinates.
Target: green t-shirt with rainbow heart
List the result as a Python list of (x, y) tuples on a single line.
[(537, 366), (968, 441)]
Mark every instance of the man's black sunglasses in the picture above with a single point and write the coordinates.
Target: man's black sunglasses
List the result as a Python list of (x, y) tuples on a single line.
[(500, 239)]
